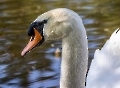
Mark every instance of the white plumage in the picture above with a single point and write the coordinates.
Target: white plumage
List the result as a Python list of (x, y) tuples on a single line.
[(105, 68), (67, 25)]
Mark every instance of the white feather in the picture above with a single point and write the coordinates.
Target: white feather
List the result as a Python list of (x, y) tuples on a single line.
[(104, 71)]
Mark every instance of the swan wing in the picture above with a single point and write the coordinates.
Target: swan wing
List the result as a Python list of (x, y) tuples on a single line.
[(104, 71)]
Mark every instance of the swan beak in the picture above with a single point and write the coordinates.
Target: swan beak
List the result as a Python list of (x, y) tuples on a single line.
[(34, 40)]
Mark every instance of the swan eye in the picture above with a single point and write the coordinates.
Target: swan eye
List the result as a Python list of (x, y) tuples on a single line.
[(44, 21)]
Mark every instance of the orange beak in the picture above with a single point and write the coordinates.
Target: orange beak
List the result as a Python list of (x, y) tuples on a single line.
[(32, 43)]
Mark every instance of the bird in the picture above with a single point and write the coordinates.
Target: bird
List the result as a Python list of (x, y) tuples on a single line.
[(104, 71), (66, 25)]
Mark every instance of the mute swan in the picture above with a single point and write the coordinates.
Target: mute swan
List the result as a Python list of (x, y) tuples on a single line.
[(66, 25)]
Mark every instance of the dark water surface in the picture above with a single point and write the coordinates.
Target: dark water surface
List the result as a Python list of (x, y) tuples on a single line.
[(41, 67)]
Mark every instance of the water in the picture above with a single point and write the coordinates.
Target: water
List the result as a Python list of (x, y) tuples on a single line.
[(41, 67)]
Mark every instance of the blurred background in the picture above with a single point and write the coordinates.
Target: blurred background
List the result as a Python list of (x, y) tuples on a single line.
[(41, 67)]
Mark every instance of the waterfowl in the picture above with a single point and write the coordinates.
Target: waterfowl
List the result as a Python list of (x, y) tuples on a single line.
[(67, 25)]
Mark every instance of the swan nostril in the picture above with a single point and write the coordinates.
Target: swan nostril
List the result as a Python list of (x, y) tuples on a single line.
[(32, 38)]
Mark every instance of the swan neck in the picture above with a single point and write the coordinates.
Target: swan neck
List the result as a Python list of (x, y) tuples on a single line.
[(74, 60)]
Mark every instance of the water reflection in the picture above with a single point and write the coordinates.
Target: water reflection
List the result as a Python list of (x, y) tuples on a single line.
[(41, 68)]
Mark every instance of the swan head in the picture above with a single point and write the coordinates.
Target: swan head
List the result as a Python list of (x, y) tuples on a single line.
[(51, 25)]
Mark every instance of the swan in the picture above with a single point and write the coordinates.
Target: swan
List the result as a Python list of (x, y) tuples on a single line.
[(65, 24)]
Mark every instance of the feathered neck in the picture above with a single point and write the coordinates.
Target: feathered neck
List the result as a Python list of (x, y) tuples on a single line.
[(74, 59)]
